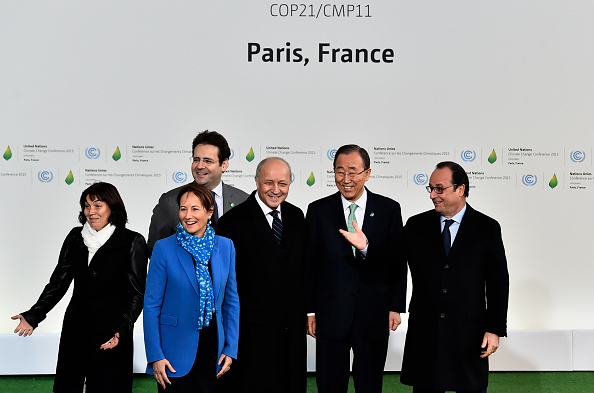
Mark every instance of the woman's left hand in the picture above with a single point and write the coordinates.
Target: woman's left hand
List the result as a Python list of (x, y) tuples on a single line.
[(226, 362), (112, 343)]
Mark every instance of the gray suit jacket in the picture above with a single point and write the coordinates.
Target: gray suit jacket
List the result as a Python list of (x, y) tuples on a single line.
[(166, 213)]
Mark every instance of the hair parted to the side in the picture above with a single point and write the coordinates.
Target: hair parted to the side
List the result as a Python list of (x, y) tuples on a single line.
[(348, 149), (204, 195), (215, 139), (104, 192), (459, 175)]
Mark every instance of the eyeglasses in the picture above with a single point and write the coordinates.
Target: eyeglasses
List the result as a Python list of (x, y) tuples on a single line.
[(206, 161), (342, 175), (438, 190)]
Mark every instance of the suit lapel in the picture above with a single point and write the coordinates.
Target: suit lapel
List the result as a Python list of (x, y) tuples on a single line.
[(187, 265), (369, 214), (216, 269), (261, 223), (465, 229), (338, 220)]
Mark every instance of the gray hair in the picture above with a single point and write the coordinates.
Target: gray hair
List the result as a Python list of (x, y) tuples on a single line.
[(261, 164)]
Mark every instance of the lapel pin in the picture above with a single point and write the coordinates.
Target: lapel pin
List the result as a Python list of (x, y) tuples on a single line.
[(232, 204), (371, 214)]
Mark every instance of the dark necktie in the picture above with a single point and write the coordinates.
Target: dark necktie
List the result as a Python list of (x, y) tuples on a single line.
[(215, 213), (447, 237), (277, 226)]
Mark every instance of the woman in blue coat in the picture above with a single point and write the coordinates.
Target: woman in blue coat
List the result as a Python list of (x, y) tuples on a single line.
[(191, 314)]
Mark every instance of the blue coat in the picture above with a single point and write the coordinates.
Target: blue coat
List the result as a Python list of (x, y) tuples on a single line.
[(171, 304)]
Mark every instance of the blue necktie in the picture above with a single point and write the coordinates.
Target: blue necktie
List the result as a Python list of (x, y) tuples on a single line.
[(277, 226), (447, 237)]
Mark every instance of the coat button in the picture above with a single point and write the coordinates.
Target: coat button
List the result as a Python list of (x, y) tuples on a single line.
[(94, 274), (444, 290), (442, 315), (446, 266)]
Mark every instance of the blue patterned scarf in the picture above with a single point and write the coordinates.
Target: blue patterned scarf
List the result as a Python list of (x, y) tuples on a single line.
[(200, 248)]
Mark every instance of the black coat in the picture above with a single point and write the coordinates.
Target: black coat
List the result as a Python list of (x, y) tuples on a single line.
[(272, 333), (107, 298), (455, 300), (341, 288)]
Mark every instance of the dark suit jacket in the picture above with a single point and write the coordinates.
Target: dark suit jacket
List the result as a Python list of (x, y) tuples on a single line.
[(340, 288), (107, 298), (166, 213), (270, 287), (455, 300)]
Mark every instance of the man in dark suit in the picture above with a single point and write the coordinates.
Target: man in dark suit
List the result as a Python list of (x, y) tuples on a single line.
[(268, 234), (458, 308), (210, 159), (355, 284)]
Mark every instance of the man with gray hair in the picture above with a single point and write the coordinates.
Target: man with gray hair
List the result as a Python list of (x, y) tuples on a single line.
[(268, 234)]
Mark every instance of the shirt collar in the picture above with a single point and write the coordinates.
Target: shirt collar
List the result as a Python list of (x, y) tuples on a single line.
[(218, 190), (265, 208), (457, 218), (361, 202)]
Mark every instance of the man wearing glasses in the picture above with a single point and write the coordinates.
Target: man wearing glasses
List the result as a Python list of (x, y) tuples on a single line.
[(458, 308), (355, 282), (209, 161)]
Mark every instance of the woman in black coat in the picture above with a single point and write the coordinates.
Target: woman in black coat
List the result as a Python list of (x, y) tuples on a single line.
[(108, 265)]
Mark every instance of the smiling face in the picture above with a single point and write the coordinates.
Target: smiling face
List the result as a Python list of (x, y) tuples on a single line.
[(97, 213), (351, 186), (452, 199), (192, 214), (273, 183), (208, 174)]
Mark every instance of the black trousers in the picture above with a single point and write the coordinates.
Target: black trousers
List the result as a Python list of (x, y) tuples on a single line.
[(202, 378), (333, 361)]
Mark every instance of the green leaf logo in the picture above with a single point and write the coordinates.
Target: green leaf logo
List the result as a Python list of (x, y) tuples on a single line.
[(554, 182), (493, 157), (117, 154), (250, 156), (70, 178), (8, 154), (311, 180)]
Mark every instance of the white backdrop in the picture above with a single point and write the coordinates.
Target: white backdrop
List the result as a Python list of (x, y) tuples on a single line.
[(80, 81)]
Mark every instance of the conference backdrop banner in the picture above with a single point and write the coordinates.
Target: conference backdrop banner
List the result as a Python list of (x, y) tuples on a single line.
[(116, 90)]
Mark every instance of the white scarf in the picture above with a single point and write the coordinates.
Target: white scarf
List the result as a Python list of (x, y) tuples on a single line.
[(95, 239)]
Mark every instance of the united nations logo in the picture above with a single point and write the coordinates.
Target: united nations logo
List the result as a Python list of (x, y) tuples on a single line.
[(529, 180), (468, 155), (45, 176), (577, 156), (331, 154), (179, 177), (420, 179), (92, 153)]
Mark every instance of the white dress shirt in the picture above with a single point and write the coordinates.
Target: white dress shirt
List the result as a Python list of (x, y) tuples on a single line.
[(455, 225)]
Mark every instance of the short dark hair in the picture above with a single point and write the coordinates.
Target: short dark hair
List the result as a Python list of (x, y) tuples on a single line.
[(203, 193), (104, 192), (348, 149), (215, 139), (459, 175)]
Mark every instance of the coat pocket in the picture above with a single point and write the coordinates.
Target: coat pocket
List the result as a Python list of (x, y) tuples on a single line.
[(170, 320)]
